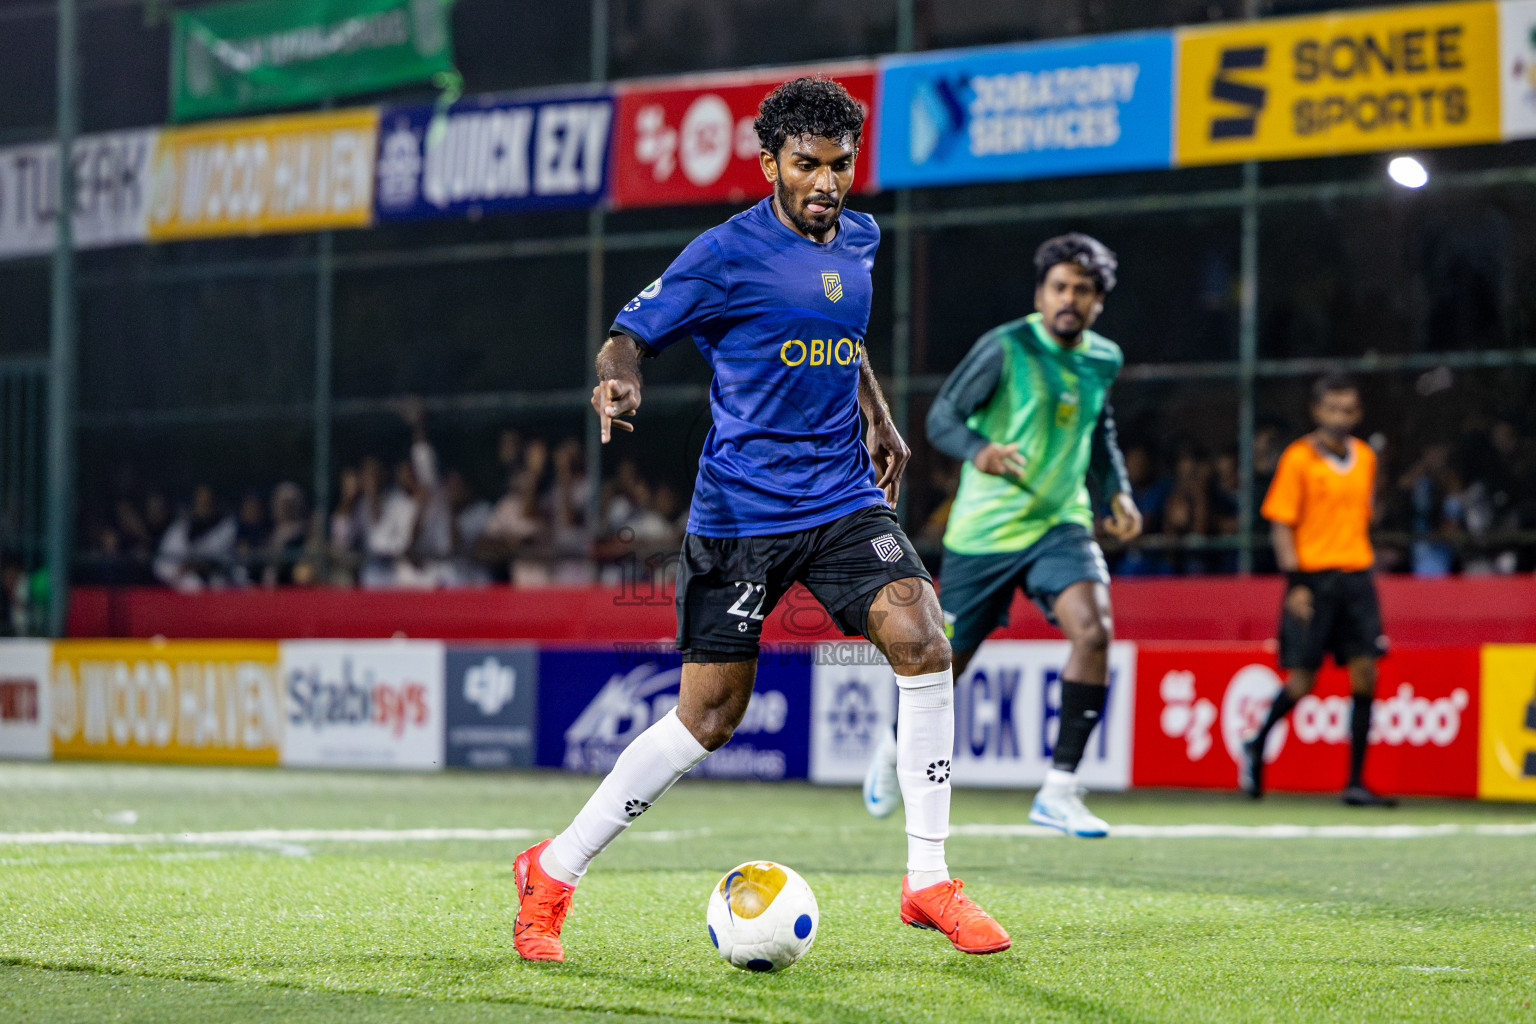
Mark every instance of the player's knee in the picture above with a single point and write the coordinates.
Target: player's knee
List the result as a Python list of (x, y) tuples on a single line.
[(1095, 634), (714, 728), (930, 653)]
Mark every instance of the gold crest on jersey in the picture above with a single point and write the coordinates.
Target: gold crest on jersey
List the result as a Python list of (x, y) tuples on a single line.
[(832, 284)]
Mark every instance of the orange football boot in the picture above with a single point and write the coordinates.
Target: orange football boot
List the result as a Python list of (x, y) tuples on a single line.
[(943, 908), (541, 906)]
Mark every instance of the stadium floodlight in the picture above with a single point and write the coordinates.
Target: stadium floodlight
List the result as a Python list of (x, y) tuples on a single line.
[(1407, 172)]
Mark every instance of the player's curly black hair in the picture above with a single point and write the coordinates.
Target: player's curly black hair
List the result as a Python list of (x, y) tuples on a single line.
[(1086, 251), (815, 106)]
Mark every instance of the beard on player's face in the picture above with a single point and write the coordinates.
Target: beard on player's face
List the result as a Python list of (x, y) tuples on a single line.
[(795, 208)]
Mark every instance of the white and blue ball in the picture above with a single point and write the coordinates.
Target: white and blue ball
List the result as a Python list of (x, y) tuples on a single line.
[(762, 916)]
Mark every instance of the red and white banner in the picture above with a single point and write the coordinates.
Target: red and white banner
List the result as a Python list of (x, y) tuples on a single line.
[(690, 140), (1195, 705)]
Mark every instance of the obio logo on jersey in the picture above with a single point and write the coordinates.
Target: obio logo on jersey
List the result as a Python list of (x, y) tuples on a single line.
[(819, 352)]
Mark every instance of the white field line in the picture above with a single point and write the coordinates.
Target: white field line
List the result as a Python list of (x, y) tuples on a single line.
[(277, 837), (1261, 831)]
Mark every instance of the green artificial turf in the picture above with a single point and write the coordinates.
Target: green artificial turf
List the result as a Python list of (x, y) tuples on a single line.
[(1147, 929)]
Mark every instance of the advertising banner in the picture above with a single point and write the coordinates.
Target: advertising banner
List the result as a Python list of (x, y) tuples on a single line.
[(111, 192), (260, 54), (1507, 747), (608, 696), (308, 172), (491, 705), (363, 703), (26, 666), (1007, 713), (1028, 111), (198, 702), (492, 155), (1422, 75), (1197, 704), (690, 140), (853, 703), (1517, 68)]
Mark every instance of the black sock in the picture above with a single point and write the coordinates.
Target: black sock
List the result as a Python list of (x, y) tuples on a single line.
[(1278, 710), (1359, 734), (1082, 705)]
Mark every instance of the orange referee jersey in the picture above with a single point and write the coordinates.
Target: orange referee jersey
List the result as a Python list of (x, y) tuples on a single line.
[(1327, 503)]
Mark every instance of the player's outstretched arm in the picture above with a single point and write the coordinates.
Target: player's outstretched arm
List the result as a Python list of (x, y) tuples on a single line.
[(887, 450), (618, 383)]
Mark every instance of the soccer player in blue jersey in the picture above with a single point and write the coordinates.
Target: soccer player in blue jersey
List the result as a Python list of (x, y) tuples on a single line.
[(791, 488)]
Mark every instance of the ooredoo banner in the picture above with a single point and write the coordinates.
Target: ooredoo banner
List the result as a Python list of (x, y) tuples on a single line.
[(25, 670), (363, 703), (690, 140), (1196, 705), (492, 155), (1030, 111), (200, 702), (608, 696)]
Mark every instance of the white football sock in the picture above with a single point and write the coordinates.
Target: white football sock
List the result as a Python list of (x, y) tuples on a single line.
[(1059, 778), (646, 769), (925, 742)]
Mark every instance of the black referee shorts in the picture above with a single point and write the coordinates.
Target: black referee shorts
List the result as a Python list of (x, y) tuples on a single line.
[(727, 586), (1346, 621)]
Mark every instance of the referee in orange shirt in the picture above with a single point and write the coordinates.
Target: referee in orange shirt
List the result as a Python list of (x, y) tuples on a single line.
[(1319, 509)]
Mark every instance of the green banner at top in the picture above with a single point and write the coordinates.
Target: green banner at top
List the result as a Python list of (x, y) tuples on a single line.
[(274, 53)]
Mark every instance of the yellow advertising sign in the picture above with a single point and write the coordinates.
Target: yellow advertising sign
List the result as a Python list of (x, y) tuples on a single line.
[(203, 702), (307, 172), (1341, 83), (1506, 768)]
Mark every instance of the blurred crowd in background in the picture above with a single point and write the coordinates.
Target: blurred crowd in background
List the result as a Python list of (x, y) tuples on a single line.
[(1465, 504)]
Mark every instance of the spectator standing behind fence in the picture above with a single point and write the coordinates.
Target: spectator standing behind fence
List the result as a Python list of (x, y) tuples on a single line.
[(1319, 507), (198, 548)]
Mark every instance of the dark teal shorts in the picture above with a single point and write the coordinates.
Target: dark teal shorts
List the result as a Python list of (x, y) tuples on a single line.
[(976, 590)]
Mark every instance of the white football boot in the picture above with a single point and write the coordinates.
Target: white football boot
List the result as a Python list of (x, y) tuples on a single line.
[(882, 790), (1059, 805)]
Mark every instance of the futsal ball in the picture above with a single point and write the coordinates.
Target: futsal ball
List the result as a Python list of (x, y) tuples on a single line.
[(762, 916)]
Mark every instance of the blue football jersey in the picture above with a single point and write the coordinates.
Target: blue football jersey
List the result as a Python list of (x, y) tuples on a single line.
[(781, 321)]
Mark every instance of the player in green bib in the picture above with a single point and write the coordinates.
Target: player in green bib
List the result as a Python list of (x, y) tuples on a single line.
[(1027, 413)]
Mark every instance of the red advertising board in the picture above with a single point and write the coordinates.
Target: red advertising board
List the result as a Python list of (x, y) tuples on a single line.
[(1195, 705), (689, 140)]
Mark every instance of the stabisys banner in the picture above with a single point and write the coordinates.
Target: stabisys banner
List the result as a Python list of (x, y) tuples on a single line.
[(488, 154), (363, 703), (1196, 704), (111, 202), (689, 140)]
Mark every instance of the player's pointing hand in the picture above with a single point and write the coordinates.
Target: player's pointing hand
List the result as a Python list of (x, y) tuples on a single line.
[(612, 399)]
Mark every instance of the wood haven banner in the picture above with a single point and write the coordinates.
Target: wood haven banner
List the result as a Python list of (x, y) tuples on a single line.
[(1349, 83), (1507, 758), (197, 702), (308, 172), (690, 140)]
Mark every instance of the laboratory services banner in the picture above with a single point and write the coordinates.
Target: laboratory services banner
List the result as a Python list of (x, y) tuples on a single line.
[(111, 202), (492, 155), (198, 702), (1030, 111), (306, 172), (261, 54), (690, 140), (1425, 75)]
